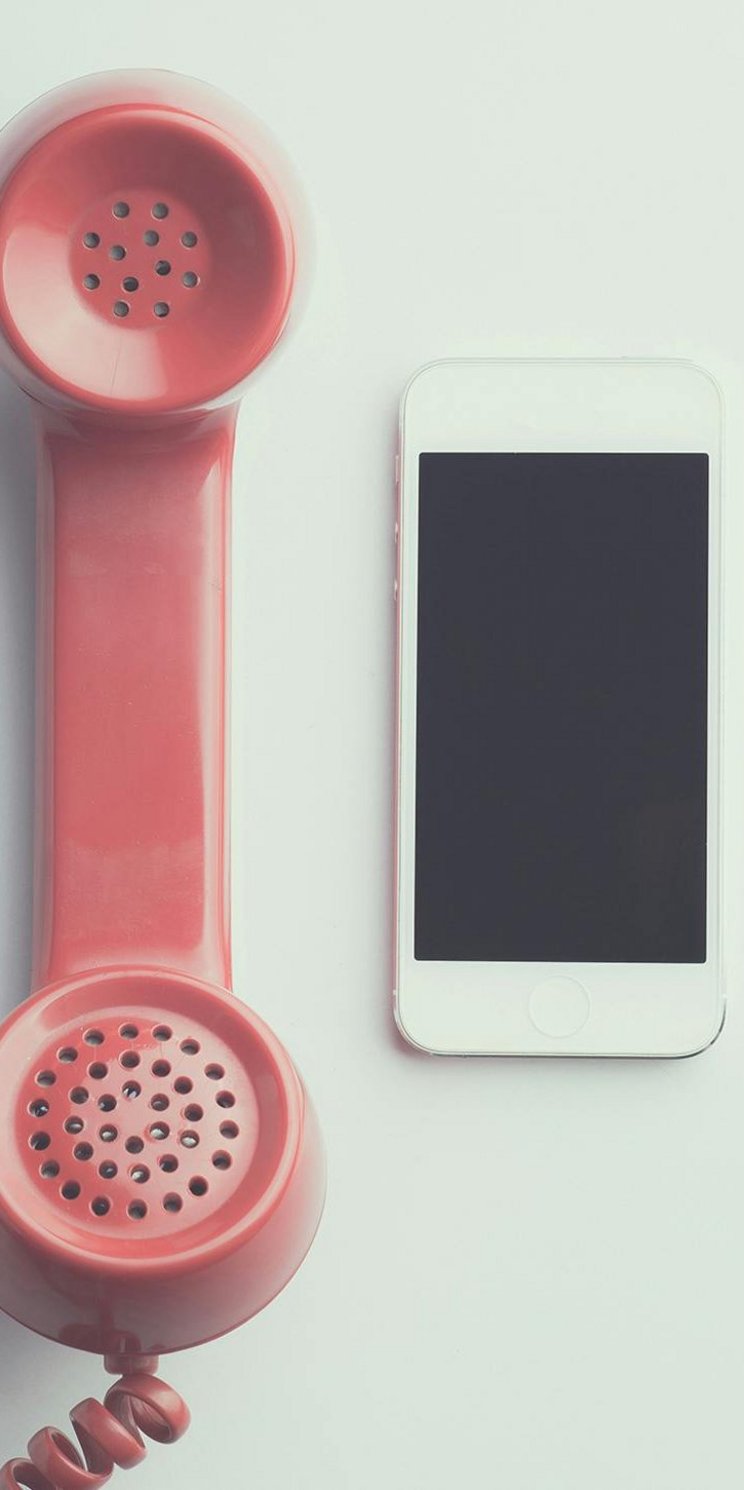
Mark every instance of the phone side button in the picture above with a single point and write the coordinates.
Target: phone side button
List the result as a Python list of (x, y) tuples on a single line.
[(559, 1007)]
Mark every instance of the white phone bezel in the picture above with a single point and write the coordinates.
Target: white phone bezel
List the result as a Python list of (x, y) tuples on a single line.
[(478, 1008)]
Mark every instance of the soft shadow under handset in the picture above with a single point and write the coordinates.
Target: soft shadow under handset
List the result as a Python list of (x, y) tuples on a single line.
[(162, 1174)]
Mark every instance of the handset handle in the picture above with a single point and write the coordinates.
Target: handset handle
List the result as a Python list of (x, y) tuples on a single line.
[(132, 612)]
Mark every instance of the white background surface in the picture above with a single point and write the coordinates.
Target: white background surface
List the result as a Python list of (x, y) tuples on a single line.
[(529, 1275)]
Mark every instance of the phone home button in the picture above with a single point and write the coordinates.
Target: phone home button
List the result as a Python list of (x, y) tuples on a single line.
[(559, 1007)]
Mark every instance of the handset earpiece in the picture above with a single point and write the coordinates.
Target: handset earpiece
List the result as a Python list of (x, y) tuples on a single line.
[(163, 1176)]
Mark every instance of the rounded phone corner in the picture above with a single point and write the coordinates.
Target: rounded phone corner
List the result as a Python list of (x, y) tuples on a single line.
[(709, 377), (710, 1038), (406, 1034), (434, 365)]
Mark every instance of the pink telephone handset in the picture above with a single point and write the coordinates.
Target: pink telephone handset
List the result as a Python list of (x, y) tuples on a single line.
[(164, 1176)]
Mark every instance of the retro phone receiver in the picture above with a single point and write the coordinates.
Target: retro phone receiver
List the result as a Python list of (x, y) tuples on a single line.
[(162, 1173)]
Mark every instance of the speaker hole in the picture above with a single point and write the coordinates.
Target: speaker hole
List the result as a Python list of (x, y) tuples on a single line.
[(49, 1169), (137, 1210), (93, 1037), (229, 1130), (168, 1163), (79, 1095), (160, 210), (121, 308), (161, 308), (190, 1047), (214, 1072), (39, 1108), (161, 1068), (46, 1078), (225, 1099), (130, 284), (189, 1140), (74, 1125), (108, 1169), (130, 1059), (131, 1089), (129, 1031), (189, 240), (162, 1032), (98, 1070), (67, 1054), (91, 240), (198, 1186), (151, 237), (221, 1160), (117, 251), (159, 1131), (193, 1113), (140, 1174), (190, 279), (100, 1206), (160, 1102), (83, 1151), (172, 1203), (70, 1190), (91, 281), (40, 1140), (162, 267), (134, 1145), (107, 1103), (183, 1085), (121, 209), (108, 1133)]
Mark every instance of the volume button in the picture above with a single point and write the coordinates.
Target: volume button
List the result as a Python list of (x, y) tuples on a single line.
[(397, 495), (397, 512)]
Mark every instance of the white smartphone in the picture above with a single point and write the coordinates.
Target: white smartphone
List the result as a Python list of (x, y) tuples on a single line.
[(558, 815)]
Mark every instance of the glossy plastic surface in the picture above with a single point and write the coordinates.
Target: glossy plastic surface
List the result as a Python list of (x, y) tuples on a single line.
[(110, 1433), (163, 1175), (132, 852), (148, 245)]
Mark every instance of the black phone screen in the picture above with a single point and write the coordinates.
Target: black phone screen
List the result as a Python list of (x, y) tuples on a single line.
[(561, 715)]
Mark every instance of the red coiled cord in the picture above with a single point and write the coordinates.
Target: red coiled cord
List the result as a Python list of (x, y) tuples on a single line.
[(110, 1433)]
